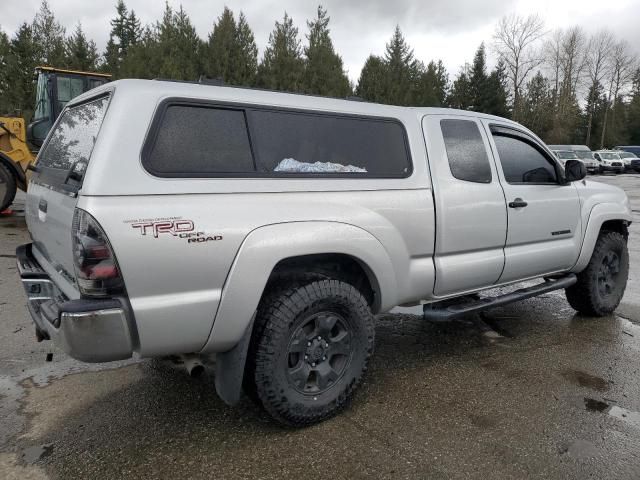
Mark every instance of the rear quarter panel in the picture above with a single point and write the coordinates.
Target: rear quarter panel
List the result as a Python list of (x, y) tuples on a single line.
[(175, 286)]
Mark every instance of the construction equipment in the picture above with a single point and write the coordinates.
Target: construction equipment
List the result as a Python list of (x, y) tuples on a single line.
[(19, 143)]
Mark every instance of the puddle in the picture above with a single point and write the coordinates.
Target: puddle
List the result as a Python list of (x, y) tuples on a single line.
[(627, 416), (587, 380), (594, 405), (31, 455)]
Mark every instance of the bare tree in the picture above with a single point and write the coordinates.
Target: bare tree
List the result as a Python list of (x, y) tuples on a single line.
[(514, 40), (598, 67), (552, 51), (623, 65), (574, 58)]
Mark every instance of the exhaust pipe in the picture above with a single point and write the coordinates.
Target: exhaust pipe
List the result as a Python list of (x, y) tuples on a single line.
[(193, 364)]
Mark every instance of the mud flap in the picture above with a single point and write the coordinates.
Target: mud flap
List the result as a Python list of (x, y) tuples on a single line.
[(230, 368)]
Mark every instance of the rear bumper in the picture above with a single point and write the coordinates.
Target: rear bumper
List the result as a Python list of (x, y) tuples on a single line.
[(88, 330)]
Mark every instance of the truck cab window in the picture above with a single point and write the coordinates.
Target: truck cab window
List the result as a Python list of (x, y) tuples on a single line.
[(522, 162), (466, 152)]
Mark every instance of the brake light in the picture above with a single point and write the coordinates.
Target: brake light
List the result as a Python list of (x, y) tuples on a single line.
[(97, 271)]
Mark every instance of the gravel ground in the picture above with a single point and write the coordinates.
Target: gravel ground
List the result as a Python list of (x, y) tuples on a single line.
[(528, 390)]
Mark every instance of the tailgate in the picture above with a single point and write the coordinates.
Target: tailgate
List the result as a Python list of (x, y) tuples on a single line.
[(53, 191)]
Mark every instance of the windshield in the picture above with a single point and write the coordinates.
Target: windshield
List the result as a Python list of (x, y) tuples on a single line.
[(626, 155), (609, 156), (68, 88), (566, 155), (584, 155), (43, 106)]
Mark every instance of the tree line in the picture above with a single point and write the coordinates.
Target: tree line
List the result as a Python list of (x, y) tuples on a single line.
[(565, 85)]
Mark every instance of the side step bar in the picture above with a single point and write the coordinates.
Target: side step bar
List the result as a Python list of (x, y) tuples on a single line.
[(442, 314)]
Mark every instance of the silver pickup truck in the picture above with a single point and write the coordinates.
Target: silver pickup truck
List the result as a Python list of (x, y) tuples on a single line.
[(267, 228)]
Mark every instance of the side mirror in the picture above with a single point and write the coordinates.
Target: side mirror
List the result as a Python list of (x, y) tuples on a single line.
[(37, 131), (574, 170)]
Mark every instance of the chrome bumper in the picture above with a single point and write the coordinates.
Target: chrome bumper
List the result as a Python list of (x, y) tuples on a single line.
[(88, 330)]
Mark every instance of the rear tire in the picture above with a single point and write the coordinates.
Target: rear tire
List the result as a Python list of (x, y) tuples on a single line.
[(601, 285), (310, 349), (7, 187)]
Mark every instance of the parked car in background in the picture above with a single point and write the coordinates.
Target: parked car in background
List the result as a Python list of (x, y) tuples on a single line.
[(584, 153), (609, 161), (631, 161), (629, 148), (564, 155)]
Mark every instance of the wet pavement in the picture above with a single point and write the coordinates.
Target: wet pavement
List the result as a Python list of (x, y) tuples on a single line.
[(527, 390)]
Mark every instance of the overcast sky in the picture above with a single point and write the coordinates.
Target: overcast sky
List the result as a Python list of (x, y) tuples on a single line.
[(450, 30)]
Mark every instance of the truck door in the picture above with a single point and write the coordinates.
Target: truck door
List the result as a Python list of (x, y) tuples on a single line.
[(544, 225), (471, 217)]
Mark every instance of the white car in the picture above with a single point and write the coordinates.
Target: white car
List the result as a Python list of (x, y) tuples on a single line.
[(631, 161), (583, 152), (609, 161), (564, 155)]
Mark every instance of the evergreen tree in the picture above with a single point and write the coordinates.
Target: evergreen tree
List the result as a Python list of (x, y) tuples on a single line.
[(537, 106), (134, 30), (49, 37), (402, 70), (178, 46), (497, 97), (633, 112), (478, 78), (21, 62), (594, 110), (461, 96), (222, 47), (282, 64), (5, 81), (125, 33), (142, 60), (245, 61), (432, 86), (82, 53), (372, 84), (323, 72)]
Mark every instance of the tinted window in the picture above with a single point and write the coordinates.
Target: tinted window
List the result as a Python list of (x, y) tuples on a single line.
[(73, 138), (466, 152), (288, 142), (522, 162), (194, 140)]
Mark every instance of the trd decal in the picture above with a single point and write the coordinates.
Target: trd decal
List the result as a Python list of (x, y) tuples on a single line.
[(172, 227)]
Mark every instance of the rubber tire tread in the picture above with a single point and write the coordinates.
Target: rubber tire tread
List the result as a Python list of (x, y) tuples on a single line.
[(11, 187), (279, 312), (583, 296)]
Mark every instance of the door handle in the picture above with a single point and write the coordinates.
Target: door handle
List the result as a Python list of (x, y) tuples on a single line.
[(518, 203), (42, 205)]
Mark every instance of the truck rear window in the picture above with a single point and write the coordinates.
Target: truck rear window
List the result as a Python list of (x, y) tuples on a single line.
[(199, 140), (72, 139)]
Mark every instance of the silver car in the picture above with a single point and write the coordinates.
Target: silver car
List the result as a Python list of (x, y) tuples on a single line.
[(268, 229)]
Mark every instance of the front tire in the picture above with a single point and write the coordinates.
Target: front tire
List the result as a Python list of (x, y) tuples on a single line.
[(7, 187), (310, 349), (601, 285)]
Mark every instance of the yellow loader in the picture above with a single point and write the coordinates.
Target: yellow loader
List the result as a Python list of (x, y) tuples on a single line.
[(19, 143)]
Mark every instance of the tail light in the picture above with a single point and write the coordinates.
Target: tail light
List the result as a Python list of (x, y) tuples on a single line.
[(97, 271)]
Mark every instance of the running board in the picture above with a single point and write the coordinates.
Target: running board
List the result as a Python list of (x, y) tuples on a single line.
[(441, 314)]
